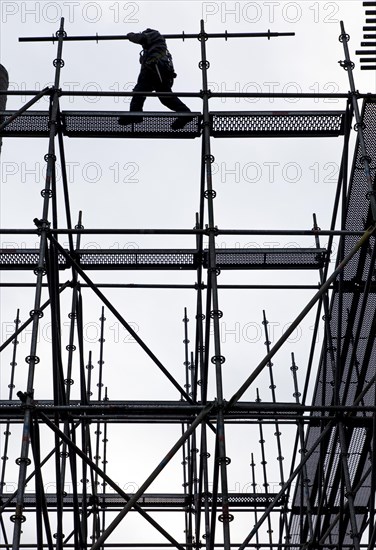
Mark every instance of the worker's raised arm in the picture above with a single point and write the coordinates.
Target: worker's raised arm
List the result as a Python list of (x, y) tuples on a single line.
[(137, 38)]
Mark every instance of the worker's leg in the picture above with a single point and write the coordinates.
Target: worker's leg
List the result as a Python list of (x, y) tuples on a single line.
[(144, 84), (164, 84), (173, 103)]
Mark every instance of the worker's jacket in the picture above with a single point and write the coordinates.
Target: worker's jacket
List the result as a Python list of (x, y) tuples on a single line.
[(154, 50)]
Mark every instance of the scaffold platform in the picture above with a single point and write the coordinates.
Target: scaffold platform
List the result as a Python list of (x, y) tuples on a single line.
[(138, 411), (236, 258), (96, 124), (157, 501), (278, 124)]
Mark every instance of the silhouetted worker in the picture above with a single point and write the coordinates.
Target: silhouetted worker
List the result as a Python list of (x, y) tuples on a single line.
[(156, 74)]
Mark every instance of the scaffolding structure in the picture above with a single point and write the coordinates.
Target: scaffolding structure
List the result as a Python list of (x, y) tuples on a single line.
[(326, 495)]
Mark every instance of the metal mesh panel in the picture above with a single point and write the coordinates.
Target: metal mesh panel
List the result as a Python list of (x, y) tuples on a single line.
[(105, 124), (359, 365), (137, 259), (259, 500), (23, 259), (354, 451), (288, 258), (362, 496), (29, 124), (270, 258), (237, 500), (274, 124), (10, 257), (101, 124), (105, 259), (113, 500)]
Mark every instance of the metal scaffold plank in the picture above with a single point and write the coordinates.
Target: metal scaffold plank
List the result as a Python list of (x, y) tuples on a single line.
[(289, 258), (158, 125), (159, 500), (153, 411), (104, 124), (277, 124)]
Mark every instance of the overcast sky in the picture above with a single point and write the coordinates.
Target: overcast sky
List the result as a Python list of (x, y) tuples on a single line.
[(260, 184)]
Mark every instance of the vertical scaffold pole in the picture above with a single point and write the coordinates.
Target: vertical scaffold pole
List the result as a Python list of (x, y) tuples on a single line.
[(43, 225), (215, 313)]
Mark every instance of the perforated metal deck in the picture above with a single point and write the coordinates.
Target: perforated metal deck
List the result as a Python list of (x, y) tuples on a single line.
[(105, 124), (289, 258), (267, 258), (278, 124), (158, 125), (156, 501), (101, 124), (355, 374)]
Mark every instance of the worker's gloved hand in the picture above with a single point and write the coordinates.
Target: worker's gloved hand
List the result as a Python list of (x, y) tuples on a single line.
[(136, 37)]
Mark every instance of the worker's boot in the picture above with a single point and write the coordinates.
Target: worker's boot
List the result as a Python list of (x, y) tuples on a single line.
[(124, 120), (181, 122)]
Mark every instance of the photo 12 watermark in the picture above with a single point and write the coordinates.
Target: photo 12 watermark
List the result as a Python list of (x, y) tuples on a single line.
[(271, 12), (69, 87), (275, 172), (252, 332), (76, 172), (91, 332), (274, 87), (29, 12)]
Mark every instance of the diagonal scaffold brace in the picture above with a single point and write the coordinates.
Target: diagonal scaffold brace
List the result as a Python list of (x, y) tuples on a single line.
[(323, 289)]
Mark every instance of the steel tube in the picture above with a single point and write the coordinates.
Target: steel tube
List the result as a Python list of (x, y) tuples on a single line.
[(83, 231), (122, 321), (32, 358), (215, 313), (285, 487), (133, 500), (300, 317), (107, 479), (24, 108), (108, 93), (182, 36)]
